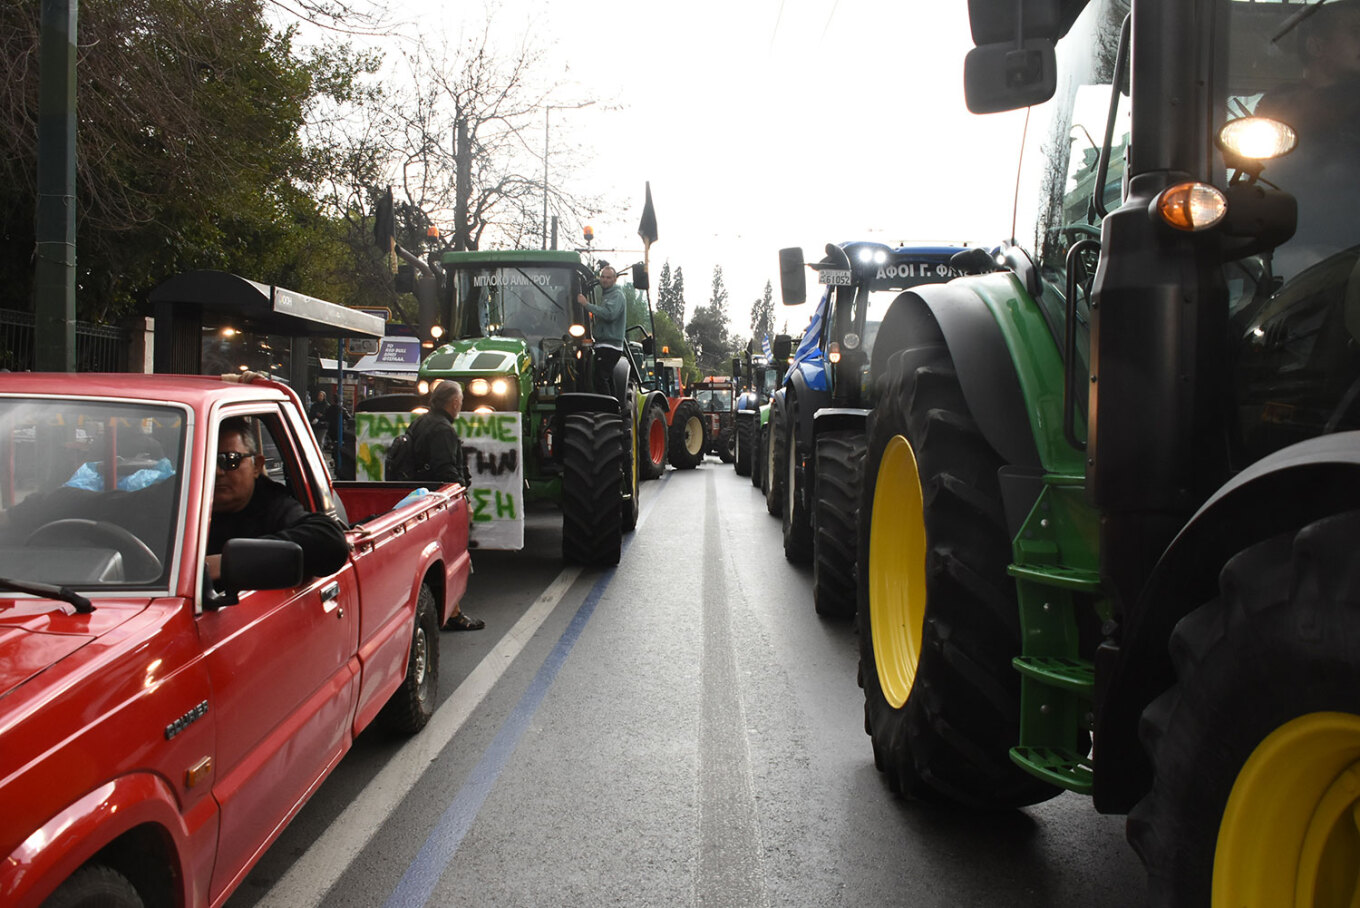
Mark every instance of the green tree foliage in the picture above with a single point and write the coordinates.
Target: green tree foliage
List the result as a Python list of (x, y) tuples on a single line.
[(665, 293), (677, 310), (762, 316), (189, 150), (708, 331)]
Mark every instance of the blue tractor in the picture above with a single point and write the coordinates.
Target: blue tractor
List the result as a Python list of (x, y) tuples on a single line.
[(817, 417)]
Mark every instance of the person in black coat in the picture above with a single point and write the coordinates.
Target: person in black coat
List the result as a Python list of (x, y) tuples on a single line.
[(438, 454)]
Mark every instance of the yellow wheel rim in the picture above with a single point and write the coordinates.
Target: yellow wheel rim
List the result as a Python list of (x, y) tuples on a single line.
[(897, 568), (1291, 830)]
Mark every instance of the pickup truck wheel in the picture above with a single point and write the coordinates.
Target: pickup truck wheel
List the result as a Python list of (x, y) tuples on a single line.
[(654, 432), (95, 886), (688, 436), (592, 470), (939, 623), (1256, 749), (839, 467), (774, 465), (745, 441), (797, 522), (413, 703)]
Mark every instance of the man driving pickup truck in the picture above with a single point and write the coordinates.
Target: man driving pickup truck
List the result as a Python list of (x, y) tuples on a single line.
[(246, 503)]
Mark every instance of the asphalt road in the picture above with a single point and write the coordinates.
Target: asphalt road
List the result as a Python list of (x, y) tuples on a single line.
[(679, 730)]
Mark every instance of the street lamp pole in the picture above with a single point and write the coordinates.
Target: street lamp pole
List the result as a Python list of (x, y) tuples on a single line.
[(546, 109)]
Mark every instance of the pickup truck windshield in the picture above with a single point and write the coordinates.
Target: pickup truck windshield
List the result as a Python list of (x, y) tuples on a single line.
[(89, 491)]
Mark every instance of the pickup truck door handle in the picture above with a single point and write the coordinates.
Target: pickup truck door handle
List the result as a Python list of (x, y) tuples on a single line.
[(330, 596)]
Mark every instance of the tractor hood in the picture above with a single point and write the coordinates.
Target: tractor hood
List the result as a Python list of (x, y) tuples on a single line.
[(37, 634), (478, 356)]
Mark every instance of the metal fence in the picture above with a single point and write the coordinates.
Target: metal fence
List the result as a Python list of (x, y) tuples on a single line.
[(99, 348)]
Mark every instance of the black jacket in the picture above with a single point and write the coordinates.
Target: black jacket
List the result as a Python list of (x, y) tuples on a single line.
[(272, 513), (438, 450)]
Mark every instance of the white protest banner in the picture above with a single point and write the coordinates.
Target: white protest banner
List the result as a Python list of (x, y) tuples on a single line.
[(491, 449)]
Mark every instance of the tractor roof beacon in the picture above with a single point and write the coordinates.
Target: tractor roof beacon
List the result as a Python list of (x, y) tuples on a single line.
[(1120, 476)]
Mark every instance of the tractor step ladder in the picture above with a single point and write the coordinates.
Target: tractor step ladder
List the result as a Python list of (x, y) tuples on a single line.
[(1055, 575)]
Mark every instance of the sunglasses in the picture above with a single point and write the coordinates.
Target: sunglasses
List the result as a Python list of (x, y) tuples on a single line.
[(230, 460)]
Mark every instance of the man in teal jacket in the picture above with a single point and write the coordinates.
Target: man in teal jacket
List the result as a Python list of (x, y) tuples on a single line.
[(611, 313)]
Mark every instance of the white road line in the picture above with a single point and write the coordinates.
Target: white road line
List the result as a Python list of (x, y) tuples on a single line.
[(309, 879)]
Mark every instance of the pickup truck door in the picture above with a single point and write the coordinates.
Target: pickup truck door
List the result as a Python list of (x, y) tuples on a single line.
[(283, 672)]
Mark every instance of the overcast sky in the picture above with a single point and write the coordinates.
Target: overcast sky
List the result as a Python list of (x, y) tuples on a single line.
[(767, 123)]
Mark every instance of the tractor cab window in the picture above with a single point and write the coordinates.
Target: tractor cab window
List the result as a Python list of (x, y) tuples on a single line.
[(531, 303), (1059, 201), (1295, 309)]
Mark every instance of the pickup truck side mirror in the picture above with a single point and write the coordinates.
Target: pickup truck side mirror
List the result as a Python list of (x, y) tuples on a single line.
[(256, 564)]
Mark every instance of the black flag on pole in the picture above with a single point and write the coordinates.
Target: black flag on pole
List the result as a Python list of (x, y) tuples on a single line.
[(647, 227)]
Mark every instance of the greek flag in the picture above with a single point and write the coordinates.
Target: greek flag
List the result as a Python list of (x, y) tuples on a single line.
[(765, 346)]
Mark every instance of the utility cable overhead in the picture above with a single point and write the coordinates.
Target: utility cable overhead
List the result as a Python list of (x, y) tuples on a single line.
[(777, 18), (831, 15)]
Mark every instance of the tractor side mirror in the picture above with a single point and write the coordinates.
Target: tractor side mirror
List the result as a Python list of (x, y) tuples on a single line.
[(792, 279), (782, 346), (1004, 76), (640, 281)]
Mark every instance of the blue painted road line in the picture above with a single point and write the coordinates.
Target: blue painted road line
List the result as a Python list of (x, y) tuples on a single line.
[(418, 883)]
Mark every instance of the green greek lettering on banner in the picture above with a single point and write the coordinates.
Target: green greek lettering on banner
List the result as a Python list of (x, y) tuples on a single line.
[(505, 505), (481, 499)]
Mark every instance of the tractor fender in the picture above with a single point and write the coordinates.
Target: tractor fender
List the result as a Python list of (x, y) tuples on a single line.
[(582, 402), (655, 399), (959, 311), (839, 419), (1279, 493), (809, 399)]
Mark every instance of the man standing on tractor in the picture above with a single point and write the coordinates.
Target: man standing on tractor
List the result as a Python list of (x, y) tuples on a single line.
[(610, 309)]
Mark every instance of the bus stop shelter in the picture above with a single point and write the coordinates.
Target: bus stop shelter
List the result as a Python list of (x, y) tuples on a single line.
[(212, 321)]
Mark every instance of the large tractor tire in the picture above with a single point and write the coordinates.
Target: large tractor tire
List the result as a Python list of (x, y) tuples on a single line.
[(939, 623), (795, 515), (688, 436), (839, 468), (1256, 748), (774, 465), (759, 456), (726, 445), (592, 477), (745, 444), (632, 476), (652, 441)]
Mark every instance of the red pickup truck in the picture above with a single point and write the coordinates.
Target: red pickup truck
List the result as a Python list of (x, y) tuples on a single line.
[(158, 730)]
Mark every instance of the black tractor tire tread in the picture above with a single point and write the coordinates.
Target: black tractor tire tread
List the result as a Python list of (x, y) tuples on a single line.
[(774, 466), (950, 741), (592, 476), (839, 468), (1277, 643), (725, 445), (795, 516), (680, 456), (758, 465), (630, 487), (746, 440)]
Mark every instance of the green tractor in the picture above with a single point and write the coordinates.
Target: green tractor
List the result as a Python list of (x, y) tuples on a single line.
[(518, 341), (758, 376), (1111, 500)]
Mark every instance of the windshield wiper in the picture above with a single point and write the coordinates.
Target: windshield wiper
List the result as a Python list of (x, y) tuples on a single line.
[(1293, 21), (65, 594)]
